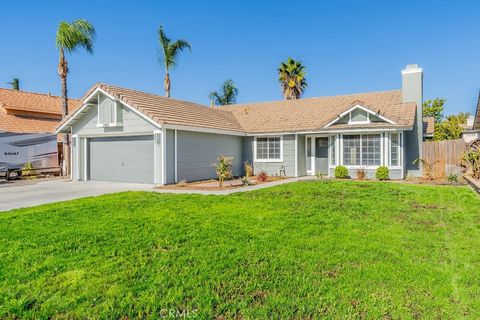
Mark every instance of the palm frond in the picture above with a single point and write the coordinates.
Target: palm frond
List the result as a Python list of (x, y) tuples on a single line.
[(170, 50), (78, 34)]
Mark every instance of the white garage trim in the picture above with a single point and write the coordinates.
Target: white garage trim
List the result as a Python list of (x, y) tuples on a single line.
[(84, 139)]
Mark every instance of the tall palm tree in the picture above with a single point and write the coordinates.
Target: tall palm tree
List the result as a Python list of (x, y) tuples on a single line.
[(291, 75), (226, 95), (70, 38), (170, 51), (15, 84)]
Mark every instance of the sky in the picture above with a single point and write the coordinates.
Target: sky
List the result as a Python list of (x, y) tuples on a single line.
[(346, 46)]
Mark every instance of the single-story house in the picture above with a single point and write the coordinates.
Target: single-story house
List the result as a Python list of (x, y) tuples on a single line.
[(27, 124), (125, 135)]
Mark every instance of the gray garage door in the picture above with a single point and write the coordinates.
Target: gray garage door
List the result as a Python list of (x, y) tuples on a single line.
[(122, 159)]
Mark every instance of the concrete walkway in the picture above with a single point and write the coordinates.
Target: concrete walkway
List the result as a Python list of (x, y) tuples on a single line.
[(21, 196), (234, 190)]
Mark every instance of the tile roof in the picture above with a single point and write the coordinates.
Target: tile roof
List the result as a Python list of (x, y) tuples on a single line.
[(172, 111), (39, 112), (428, 125), (306, 114), (34, 102), (315, 113)]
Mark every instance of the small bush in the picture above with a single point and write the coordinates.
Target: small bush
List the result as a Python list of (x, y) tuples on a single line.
[(320, 174), (246, 181), (248, 169), (361, 174), (452, 178), (28, 171), (341, 172), (182, 184), (223, 168), (262, 176), (382, 173)]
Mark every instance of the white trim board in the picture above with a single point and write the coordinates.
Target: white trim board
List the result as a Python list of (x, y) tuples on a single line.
[(358, 106), (85, 105)]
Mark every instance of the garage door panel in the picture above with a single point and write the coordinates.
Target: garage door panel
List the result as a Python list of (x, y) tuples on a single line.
[(122, 159)]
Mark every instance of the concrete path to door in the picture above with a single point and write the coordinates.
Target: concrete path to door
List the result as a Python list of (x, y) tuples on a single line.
[(22, 196)]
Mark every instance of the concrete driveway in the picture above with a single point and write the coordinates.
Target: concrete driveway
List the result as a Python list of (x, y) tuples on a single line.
[(13, 197)]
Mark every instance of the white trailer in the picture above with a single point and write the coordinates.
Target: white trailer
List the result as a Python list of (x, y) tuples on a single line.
[(39, 149)]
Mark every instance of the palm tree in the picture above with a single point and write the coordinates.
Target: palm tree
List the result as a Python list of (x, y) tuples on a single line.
[(15, 84), (170, 52), (291, 75), (70, 38), (227, 95)]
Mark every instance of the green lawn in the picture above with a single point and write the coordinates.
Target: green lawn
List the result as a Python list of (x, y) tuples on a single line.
[(302, 250)]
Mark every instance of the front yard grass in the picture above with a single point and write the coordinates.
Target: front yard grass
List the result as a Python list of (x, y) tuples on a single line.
[(313, 249)]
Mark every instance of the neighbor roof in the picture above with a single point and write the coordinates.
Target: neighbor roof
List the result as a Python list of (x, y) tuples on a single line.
[(428, 125), (306, 114), (34, 102), (28, 112), (315, 113)]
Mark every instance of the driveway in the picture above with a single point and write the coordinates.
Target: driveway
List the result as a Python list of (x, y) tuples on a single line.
[(13, 197)]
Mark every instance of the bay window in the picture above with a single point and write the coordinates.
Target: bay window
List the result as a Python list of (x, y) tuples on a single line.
[(268, 149), (362, 150)]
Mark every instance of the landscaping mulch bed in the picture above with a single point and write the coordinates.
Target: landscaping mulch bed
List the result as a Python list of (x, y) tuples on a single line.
[(213, 184)]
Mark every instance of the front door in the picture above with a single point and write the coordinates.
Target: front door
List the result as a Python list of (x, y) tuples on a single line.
[(321, 155)]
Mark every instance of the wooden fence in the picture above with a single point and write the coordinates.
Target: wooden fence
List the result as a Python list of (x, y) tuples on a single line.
[(444, 155)]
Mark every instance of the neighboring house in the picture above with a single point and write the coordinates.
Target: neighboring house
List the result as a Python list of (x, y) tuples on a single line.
[(428, 128), (27, 125), (472, 128), (131, 136)]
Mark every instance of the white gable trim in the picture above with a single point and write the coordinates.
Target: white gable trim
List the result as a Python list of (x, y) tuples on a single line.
[(358, 106), (85, 105)]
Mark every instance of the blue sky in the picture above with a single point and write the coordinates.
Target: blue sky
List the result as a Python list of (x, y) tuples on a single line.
[(347, 46)]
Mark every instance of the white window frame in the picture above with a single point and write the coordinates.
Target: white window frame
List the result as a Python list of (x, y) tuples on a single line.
[(116, 107), (400, 150), (255, 159), (361, 166), (350, 121)]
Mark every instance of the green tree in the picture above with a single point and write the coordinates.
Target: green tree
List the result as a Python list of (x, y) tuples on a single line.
[(226, 95), (69, 39), (15, 84), (170, 51), (434, 108), (451, 128), (291, 75)]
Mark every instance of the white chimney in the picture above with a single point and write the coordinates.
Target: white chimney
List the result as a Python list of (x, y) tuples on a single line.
[(412, 91)]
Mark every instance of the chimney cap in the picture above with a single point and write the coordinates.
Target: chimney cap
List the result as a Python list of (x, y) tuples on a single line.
[(412, 68)]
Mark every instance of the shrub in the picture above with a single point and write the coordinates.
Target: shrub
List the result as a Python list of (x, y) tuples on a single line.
[(471, 163), (341, 172), (426, 166), (382, 173), (248, 169), (320, 174), (452, 177), (182, 184), (246, 181), (28, 171), (361, 174), (262, 176), (223, 168)]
